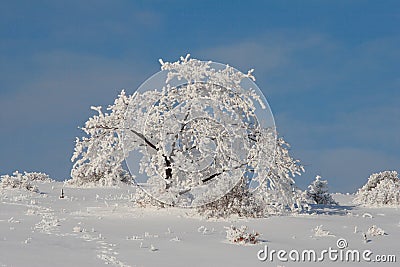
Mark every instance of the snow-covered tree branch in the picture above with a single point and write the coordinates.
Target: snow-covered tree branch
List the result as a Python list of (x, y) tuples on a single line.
[(98, 156)]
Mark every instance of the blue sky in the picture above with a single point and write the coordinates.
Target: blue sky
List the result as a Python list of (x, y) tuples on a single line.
[(329, 69)]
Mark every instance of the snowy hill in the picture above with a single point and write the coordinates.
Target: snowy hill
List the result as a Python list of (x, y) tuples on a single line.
[(96, 226)]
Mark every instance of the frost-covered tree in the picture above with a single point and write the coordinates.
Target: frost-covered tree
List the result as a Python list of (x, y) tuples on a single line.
[(317, 192), (190, 141), (98, 156), (381, 189)]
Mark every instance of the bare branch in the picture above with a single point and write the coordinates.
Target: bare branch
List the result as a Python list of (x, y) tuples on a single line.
[(223, 171), (150, 144)]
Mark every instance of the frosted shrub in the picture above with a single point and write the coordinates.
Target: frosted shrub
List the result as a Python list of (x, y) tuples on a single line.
[(38, 176), (144, 200), (238, 235), (320, 232), (382, 189), (238, 202), (17, 181), (375, 231), (317, 192), (90, 176)]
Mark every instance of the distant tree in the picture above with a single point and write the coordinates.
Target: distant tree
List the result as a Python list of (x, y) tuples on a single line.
[(317, 192), (381, 189)]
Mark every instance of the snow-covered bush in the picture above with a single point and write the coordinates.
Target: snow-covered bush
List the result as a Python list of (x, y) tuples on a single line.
[(375, 231), (144, 200), (38, 176), (317, 192), (238, 202), (320, 232), (18, 181), (382, 189), (239, 235)]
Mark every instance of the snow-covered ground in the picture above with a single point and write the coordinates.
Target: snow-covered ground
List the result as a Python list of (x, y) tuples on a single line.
[(96, 226)]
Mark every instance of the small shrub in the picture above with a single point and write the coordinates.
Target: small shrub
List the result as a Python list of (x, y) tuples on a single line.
[(238, 235), (17, 181), (38, 176), (382, 189), (375, 231)]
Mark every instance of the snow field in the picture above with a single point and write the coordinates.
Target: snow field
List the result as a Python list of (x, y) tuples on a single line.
[(96, 226)]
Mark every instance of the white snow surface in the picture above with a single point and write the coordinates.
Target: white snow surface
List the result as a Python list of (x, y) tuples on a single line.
[(98, 226)]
